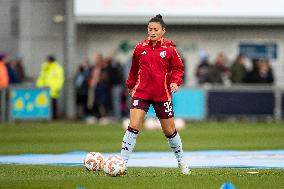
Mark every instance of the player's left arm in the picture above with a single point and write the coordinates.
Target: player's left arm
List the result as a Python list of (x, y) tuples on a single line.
[(177, 71), (133, 73)]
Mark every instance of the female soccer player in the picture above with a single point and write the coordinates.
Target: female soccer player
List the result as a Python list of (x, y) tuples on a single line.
[(156, 71)]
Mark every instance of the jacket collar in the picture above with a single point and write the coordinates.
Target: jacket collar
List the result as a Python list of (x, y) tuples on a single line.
[(149, 42)]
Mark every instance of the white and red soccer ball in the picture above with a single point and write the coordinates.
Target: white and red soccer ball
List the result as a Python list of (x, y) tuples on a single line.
[(94, 161), (114, 166)]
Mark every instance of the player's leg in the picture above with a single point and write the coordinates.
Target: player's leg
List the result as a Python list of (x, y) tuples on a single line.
[(175, 143), (164, 112), (138, 111)]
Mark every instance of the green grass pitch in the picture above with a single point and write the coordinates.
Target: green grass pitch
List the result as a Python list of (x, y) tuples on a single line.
[(60, 137)]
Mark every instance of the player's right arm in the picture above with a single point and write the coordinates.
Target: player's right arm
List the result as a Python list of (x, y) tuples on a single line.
[(133, 73)]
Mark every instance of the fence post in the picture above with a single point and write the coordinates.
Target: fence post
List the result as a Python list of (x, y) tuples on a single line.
[(3, 105), (278, 103)]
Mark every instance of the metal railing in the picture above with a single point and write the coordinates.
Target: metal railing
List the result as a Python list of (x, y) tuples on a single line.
[(3, 105)]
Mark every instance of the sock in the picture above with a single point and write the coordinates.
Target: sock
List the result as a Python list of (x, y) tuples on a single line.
[(176, 145), (128, 143)]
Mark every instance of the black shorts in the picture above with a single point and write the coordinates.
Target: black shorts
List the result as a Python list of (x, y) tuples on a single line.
[(164, 110)]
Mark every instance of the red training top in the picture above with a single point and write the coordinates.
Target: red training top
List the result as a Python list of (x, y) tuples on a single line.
[(153, 69)]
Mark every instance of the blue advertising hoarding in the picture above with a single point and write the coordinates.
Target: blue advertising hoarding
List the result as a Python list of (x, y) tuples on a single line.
[(240, 103), (187, 103), (30, 103)]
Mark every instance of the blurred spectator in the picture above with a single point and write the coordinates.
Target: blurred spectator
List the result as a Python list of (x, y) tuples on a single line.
[(19, 69), (261, 72), (52, 76), (203, 71), (238, 70), (14, 77), (116, 82), (220, 73), (265, 73), (4, 81), (251, 76), (102, 106), (92, 82), (98, 90), (81, 88)]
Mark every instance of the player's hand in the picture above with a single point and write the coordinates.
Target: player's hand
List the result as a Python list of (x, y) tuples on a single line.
[(174, 87), (130, 91)]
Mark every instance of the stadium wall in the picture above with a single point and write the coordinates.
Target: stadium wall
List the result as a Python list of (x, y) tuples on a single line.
[(39, 35), (9, 27)]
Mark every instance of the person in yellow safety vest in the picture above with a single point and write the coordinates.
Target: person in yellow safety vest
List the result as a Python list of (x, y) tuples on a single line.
[(52, 76), (4, 77)]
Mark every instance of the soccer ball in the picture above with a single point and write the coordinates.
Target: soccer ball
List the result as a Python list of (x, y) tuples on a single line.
[(179, 123), (152, 123), (125, 123), (94, 161), (114, 166)]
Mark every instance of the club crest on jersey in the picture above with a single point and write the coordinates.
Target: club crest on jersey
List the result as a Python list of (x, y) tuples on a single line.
[(144, 52), (163, 54), (135, 102)]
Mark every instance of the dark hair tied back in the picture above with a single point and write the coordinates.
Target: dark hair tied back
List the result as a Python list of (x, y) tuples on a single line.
[(158, 18)]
